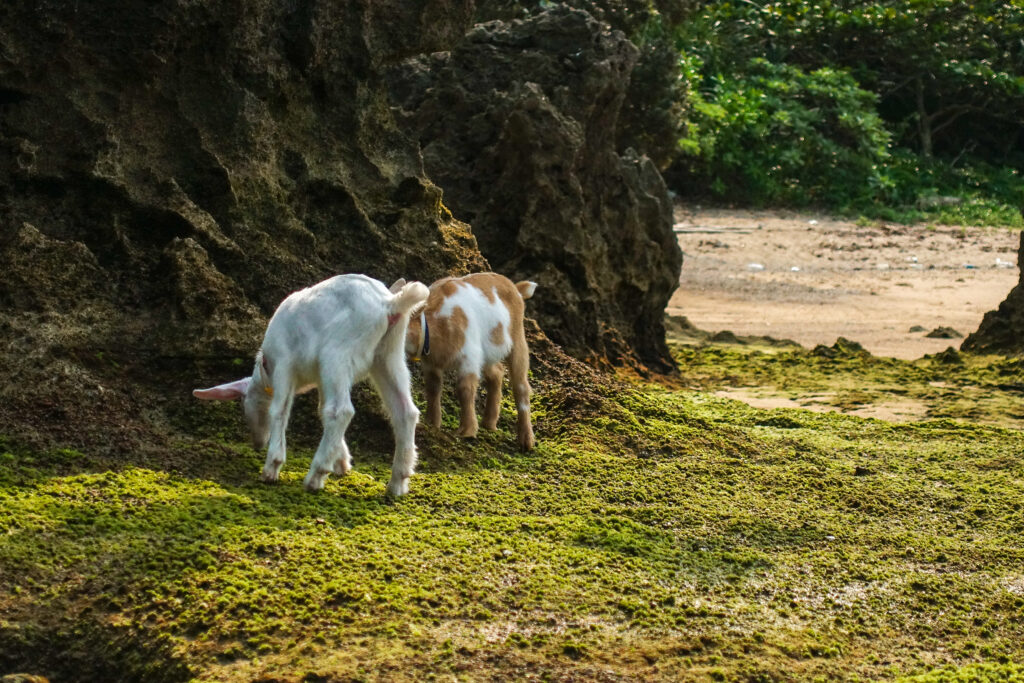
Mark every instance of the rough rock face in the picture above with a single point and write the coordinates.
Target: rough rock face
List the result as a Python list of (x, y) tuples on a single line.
[(517, 123), (1002, 330), (170, 170), (650, 120)]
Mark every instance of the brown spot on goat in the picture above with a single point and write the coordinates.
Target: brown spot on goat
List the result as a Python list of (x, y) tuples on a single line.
[(498, 334)]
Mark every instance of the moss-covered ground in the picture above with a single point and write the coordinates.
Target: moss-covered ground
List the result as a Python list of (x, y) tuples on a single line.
[(979, 389), (656, 533)]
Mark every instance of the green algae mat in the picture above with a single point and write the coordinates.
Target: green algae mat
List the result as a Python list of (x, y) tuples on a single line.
[(659, 534)]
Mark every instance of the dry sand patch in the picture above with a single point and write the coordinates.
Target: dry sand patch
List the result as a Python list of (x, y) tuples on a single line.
[(812, 279)]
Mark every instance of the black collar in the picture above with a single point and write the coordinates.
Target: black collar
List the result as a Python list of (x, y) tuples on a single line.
[(425, 351)]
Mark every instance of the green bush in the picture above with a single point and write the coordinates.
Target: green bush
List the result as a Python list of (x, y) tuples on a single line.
[(902, 110), (775, 134), (949, 74), (915, 187)]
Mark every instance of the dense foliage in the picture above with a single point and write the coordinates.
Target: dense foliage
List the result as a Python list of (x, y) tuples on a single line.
[(774, 132), (947, 88)]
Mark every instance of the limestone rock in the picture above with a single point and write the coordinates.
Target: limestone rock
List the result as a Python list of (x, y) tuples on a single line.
[(944, 332), (1002, 330), (171, 170), (517, 124)]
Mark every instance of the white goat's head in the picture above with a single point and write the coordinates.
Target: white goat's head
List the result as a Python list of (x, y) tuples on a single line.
[(255, 394)]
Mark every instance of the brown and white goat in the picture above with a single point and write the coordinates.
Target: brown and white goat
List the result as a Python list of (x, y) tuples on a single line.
[(472, 325)]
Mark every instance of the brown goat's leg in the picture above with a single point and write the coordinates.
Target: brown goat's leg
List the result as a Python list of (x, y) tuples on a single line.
[(466, 391), (493, 374), (432, 381), (519, 368)]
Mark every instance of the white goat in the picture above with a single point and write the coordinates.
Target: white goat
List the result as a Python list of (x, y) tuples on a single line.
[(471, 325), (330, 336)]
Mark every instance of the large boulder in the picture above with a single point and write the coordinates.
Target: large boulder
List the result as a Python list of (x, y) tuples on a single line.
[(170, 170), (1002, 330), (518, 124), (650, 120)]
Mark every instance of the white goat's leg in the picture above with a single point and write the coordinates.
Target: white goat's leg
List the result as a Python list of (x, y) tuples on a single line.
[(336, 414), (278, 412), (391, 379), (343, 463)]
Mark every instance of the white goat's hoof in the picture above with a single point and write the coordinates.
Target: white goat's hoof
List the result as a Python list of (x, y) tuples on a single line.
[(341, 468), (314, 482), (398, 486), (271, 471)]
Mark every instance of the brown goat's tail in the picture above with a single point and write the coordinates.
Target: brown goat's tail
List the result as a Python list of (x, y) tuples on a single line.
[(526, 289)]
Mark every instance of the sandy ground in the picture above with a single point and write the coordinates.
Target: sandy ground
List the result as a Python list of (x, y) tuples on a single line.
[(896, 409), (812, 279)]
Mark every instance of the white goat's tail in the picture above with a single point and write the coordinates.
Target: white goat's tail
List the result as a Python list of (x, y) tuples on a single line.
[(409, 299)]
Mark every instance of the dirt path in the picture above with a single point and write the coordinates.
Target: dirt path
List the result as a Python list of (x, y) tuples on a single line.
[(812, 279)]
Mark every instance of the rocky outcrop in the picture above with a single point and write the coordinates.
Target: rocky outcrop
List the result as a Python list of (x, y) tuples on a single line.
[(518, 124), (650, 119), (170, 170), (1002, 330)]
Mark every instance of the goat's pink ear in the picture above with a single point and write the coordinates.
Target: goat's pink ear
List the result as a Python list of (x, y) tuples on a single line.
[(397, 287), (224, 392)]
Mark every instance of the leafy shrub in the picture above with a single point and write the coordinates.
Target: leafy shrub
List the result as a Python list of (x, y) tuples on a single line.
[(778, 113), (949, 74), (986, 194), (776, 134)]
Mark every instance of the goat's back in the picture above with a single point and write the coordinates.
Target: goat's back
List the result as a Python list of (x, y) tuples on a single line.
[(342, 312), (473, 319)]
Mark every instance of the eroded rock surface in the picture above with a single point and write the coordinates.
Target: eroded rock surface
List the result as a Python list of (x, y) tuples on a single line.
[(171, 170), (517, 124), (1002, 330)]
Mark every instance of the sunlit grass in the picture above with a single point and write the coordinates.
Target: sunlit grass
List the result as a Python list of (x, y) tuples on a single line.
[(668, 535)]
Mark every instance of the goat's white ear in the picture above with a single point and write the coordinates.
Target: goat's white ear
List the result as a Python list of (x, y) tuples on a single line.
[(224, 392), (397, 287)]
